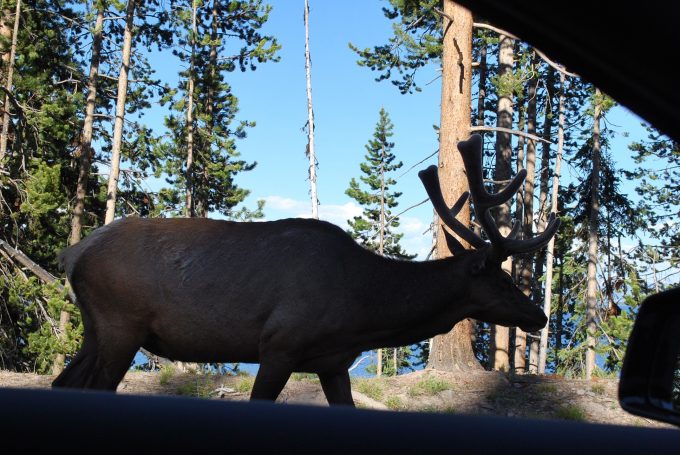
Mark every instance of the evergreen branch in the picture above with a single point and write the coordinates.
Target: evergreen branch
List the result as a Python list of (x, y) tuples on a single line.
[(545, 58), (45, 314), (14, 102), (611, 342)]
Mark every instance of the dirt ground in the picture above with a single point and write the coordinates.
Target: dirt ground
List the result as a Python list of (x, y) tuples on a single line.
[(482, 392)]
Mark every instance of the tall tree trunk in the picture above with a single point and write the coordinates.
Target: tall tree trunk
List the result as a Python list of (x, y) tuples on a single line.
[(545, 174), (524, 266), (453, 351), (381, 241), (543, 348), (120, 113), (201, 199), (559, 316), (190, 203), (311, 153), (481, 90), (86, 156), (591, 291), (4, 135), (500, 336), (6, 33)]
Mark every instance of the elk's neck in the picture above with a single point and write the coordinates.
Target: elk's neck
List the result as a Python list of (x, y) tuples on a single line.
[(423, 297)]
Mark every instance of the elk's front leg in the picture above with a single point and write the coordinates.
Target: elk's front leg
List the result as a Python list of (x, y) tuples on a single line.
[(270, 380), (337, 388)]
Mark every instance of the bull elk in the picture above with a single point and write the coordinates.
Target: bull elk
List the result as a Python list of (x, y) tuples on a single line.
[(291, 295)]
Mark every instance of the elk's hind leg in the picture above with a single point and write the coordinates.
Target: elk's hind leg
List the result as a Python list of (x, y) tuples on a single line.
[(79, 370), (337, 388), (115, 352)]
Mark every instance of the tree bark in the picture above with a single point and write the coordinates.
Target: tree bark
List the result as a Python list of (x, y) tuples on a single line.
[(86, 157), (525, 265), (311, 153), (591, 291), (201, 199), (537, 294), (120, 113), (500, 336), (189, 209), (559, 317), (543, 348), (381, 240), (86, 151), (453, 351), (4, 135), (481, 90)]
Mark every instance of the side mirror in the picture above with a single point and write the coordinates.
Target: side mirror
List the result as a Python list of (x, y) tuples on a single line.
[(650, 377)]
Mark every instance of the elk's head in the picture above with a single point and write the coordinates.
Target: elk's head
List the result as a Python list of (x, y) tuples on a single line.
[(493, 295)]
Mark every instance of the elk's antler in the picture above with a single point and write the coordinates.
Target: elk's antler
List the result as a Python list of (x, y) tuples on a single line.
[(501, 247)]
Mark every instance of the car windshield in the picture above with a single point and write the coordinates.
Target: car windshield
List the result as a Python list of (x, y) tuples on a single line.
[(121, 119)]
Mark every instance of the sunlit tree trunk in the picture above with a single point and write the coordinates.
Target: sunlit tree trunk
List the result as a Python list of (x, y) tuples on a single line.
[(500, 336), (453, 351), (120, 113), (593, 220), (201, 199), (543, 348), (189, 209), (524, 266), (311, 153), (9, 81), (481, 90), (381, 240), (86, 156), (545, 174)]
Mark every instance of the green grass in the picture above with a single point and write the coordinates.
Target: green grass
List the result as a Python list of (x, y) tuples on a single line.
[(429, 386), (197, 388), (598, 389), (546, 388), (245, 384), (394, 403), (571, 412), (166, 373), (371, 388), (312, 377)]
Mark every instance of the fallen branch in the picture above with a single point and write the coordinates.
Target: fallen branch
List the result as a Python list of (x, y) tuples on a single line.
[(509, 131), (38, 271), (356, 364)]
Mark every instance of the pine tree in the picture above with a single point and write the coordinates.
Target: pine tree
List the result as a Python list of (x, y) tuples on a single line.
[(37, 184), (374, 228), (658, 185), (200, 157), (418, 39)]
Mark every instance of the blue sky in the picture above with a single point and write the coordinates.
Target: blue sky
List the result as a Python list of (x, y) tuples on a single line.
[(346, 104)]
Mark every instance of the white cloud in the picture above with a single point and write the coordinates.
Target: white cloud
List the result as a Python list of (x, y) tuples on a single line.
[(334, 213), (283, 204), (411, 225)]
